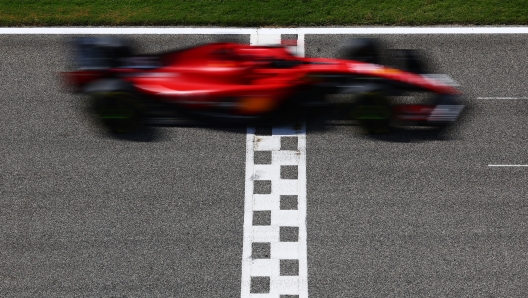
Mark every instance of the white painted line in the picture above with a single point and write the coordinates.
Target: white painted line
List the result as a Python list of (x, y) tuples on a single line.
[(126, 30), (511, 98), (266, 31), (300, 44), (269, 234), (398, 30), (507, 165), (417, 30)]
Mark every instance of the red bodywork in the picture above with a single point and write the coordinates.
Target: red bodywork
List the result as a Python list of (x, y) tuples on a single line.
[(255, 79)]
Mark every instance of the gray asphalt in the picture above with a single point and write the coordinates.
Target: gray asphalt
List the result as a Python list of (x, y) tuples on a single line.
[(160, 213), (157, 215), (414, 214)]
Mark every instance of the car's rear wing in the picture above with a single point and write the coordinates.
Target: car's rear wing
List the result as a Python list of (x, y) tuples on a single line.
[(100, 53)]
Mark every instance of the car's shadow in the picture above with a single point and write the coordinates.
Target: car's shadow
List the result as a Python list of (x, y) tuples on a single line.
[(324, 120), (144, 134)]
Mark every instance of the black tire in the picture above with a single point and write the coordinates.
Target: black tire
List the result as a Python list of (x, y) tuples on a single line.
[(306, 103), (120, 112), (373, 111)]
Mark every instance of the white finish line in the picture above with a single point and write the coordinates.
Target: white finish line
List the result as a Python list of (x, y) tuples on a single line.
[(282, 235), (274, 257)]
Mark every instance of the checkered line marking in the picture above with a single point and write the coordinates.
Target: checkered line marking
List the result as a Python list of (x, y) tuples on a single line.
[(274, 262), (274, 259)]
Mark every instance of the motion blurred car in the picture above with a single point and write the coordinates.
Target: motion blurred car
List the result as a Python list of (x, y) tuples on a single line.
[(238, 83)]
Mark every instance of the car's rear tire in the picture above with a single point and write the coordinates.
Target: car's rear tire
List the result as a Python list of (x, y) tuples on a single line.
[(120, 112)]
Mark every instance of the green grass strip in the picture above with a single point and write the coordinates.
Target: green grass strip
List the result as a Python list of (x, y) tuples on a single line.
[(268, 13)]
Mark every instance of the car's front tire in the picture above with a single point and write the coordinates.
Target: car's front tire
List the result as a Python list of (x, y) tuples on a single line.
[(373, 111)]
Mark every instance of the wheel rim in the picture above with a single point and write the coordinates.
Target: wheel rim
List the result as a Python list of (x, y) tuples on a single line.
[(374, 112), (118, 111)]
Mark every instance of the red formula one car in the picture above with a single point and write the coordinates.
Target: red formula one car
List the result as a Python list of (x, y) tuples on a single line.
[(231, 82)]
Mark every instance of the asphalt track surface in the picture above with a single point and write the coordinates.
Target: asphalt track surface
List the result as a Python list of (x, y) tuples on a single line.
[(160, 213)]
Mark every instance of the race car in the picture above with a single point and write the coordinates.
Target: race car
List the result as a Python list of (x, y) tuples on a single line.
[(230, 82)]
